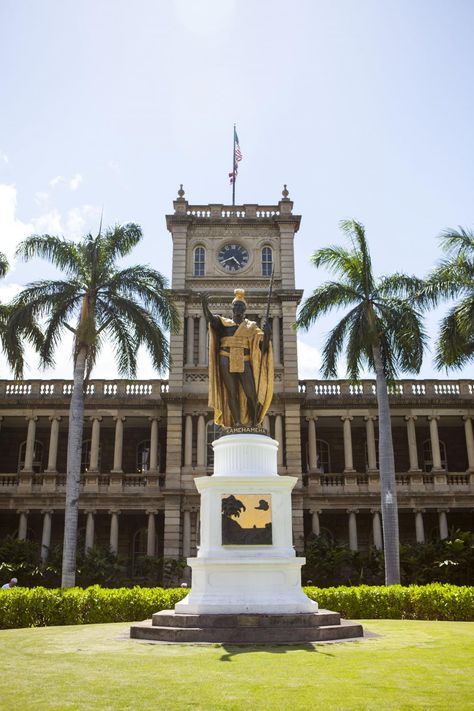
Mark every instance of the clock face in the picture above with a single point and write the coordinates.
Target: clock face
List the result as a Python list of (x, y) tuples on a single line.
[(233, 257)]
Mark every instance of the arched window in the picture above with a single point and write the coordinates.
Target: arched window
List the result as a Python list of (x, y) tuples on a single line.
[(267, 261), (199, 261), (143, 457), (86, 456), (37, 457), (428, 456), (213, 432)]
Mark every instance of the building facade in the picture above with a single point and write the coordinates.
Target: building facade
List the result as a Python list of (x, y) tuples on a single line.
[(146, 441)]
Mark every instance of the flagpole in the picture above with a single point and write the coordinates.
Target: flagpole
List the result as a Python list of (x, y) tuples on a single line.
[(233, 171)]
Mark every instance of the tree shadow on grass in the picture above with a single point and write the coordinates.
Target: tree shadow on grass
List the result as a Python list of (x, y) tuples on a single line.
[(232, 650)]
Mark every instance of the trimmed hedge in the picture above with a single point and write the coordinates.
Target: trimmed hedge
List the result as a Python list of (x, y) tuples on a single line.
[(41, 607), (415, 602)]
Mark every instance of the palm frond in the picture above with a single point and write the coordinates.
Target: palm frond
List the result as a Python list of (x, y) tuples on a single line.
[(335, 342), (331, 295), (455, 344), (57, 250), (4, 266), (119, 241), (356, 232), (458, 241)]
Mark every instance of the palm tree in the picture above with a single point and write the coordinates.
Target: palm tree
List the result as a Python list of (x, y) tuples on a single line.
[(11, 339), (95, 301), (381, 330), (454, 278)]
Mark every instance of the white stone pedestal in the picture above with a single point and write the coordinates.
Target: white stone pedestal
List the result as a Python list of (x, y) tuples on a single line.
[(246, 578)]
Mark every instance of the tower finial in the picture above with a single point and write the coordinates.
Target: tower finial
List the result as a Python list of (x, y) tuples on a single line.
[(285, 192), (181, 191)]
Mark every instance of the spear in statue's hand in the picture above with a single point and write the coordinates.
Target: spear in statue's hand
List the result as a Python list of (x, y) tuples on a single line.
[(266, 338)]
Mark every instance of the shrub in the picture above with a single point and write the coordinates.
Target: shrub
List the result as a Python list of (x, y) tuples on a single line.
[(442, 561), (414, 602), (39, 607)]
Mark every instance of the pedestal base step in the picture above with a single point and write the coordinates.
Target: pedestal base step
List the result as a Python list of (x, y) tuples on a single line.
[(322, 626)]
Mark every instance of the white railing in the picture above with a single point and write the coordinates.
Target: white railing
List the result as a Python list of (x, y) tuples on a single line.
[(237, 211), (412, 389), (62, 389)]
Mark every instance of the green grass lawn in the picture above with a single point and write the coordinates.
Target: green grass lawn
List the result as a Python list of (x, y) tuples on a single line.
[(408, 665)]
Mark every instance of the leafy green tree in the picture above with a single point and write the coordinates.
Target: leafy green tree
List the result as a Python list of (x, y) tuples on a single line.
[(453, 278), (95, 301), (381, 330), (11, 339)]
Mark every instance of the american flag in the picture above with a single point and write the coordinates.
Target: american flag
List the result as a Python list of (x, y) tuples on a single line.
[(237, 158)]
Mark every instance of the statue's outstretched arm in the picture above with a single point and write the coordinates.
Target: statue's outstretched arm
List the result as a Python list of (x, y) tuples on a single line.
[(212, 319)]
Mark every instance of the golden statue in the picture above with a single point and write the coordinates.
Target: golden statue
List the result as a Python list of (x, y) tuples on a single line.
[(240, 366)]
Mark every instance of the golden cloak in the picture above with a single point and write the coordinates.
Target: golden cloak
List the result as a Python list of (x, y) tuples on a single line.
[(218, 396)]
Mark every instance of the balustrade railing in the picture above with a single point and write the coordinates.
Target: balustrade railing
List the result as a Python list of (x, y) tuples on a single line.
[(62, 389), (414, 389), (237, 211)]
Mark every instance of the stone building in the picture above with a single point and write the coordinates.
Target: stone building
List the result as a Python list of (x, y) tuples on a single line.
[(145, 441)]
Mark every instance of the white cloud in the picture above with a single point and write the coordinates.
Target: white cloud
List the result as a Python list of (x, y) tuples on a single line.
[(309, 361), (58, 180), (48, 222), (12, 229), (71, 183), (41, 198), (8, 292), (75, 181)]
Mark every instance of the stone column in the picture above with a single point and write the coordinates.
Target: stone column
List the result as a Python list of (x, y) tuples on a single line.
[(469, 442), (23, 525), (419, 526), (276, 340), (348, 461), (90, 525), (202, 341), (312, 445), (377, 529), (118, 446), (46, 536), (186, 533), (435, 450), (266, 423), (30, 443), (95, 443), (188, 441), (153, 444), (53, 443), (190, 340), (412, 446), (370, 437), (279, 438), (114, 531), (443, 524), (315, 527), (352, 530), (151, 534), (201, 441)]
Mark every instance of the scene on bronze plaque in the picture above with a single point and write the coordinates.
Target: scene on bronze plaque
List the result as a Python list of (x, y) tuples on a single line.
[(246, 519)]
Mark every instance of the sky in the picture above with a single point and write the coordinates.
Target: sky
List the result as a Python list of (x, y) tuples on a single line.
[(363, 108)]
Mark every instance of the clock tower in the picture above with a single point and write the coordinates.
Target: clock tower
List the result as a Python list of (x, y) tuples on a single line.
[(217, 248)]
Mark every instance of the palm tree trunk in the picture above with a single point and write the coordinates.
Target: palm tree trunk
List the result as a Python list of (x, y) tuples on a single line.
[(73, 474), (388, 488)]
